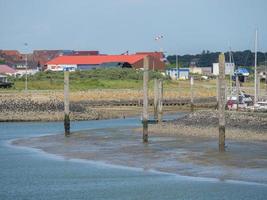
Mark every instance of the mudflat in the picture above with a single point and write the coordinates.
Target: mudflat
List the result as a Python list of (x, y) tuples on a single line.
[(177, 154)]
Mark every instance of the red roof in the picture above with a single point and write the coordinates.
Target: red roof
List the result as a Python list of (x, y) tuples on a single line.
[(5, 69), (95, 60)]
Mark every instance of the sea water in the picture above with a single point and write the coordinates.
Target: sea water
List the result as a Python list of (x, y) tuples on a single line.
[(31, 174)]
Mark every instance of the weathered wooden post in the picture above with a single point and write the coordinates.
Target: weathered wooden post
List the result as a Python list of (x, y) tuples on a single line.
[(66, 103), (192, 93), (160, 101), (217, 92), (156, 98), (221, 107), (145, 101)]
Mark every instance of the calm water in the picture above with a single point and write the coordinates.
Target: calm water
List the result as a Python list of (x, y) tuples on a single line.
[(28, 174)]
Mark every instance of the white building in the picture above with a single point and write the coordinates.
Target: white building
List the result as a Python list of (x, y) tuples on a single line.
[(22, 72), (178, 73), (61, 67), (229, 68), (201, 70)]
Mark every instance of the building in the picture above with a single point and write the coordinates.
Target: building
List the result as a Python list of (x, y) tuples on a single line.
[(5, 69), (201, 70), (178, 73), (195, 70), (229, 68), (135, 61), (22, 72)]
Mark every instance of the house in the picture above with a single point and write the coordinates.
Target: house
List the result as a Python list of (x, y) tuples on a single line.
[(229, 68), (135, 61), (178, 73), (5, 69)]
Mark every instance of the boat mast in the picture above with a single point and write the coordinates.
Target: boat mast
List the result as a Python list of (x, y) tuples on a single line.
[(177, 76), (255, 72), (230, 77)]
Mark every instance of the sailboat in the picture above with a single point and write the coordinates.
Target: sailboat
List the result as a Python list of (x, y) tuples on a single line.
[(258, 105)]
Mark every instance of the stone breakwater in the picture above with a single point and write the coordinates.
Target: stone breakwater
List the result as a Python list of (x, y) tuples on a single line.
[(51, 110), (242, 120)]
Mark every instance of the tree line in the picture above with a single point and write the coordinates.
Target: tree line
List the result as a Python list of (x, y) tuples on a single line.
[(206, 59)]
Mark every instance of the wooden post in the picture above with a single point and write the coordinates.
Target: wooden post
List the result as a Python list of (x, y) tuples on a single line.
[(145, 101), (217, 92), (192, 93), (160, 103), (156, 98), (221, 107), (66, 103)]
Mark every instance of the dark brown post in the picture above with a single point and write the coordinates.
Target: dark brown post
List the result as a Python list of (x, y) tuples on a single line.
[(66, 103), (192, 93), (160, 103), (221, 107), (156, 99), (145, 101)]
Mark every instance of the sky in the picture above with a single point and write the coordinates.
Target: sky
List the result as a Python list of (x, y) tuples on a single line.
[(115, 26)]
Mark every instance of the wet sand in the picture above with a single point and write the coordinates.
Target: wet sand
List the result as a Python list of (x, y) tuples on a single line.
[(176, 154)]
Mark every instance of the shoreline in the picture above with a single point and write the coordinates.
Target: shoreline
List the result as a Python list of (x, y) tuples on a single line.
[(41, 152), (180, 155)]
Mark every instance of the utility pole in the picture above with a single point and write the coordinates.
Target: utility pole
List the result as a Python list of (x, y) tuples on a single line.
[(230, 77), (66, 103), (255, 72), (145, 100), (26, 66), (221, 107)]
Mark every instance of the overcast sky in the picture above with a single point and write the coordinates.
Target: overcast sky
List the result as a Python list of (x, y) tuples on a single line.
[(115, 26)]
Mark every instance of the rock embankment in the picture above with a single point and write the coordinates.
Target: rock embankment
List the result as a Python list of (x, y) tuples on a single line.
[(51, 110), (239, 125), (242, 120)]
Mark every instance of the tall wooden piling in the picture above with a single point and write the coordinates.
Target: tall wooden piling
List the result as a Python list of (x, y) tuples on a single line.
[(66, 103), (192, 94), (160, 101), (217, 92), (156, 99), (221, 107), (145, 100)]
